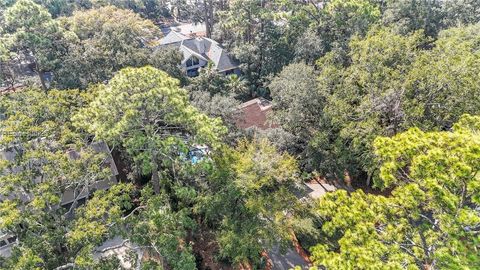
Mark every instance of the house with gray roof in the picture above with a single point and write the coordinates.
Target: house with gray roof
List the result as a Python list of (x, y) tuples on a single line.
[(199, 51), (187, 29), (69, 195)]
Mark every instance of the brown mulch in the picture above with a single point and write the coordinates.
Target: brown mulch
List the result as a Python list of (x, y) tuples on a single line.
[(299, 249), (204, 245)]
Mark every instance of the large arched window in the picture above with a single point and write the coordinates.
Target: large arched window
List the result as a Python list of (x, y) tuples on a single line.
[(192, 61)]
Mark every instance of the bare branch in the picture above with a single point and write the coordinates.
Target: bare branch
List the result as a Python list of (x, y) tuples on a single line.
[(65, 266)]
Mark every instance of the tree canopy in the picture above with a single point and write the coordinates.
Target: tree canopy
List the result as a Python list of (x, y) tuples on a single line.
[(121, 147), (393, 84), (429, 220), (146, 112), (107, 40)]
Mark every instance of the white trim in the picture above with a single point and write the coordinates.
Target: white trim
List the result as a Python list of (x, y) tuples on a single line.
[(193, 53)]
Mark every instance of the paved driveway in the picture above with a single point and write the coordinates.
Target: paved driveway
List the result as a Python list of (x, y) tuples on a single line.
[(286, 261)]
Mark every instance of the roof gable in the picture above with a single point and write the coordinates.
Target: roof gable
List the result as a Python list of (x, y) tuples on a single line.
[(203, 48), (172, 37)]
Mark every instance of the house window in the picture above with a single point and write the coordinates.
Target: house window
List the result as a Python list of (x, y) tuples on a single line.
[(12, 239), (230, 72), (192, 61), (192, 72)]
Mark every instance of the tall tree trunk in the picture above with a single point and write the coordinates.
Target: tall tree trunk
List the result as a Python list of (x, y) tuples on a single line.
[(211, 15), (155, 179), (42, 80), (369, 179), (40, 73), (208, 20), (222, 4)]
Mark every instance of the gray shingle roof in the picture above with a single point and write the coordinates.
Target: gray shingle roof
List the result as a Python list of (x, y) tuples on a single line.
[(172, 37), (204, 48)]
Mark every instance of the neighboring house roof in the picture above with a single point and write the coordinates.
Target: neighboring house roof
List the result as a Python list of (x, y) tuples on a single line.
[(126, 252), (317, 189), (314, 189), (194, 47), (68, 195), (172, 37), (99, 147), (254, 113), (220, 57), (102, 147), (7, 240), (187, 29), (201, 47)]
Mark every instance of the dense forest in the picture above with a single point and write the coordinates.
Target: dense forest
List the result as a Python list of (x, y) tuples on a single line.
[(104, 135)]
